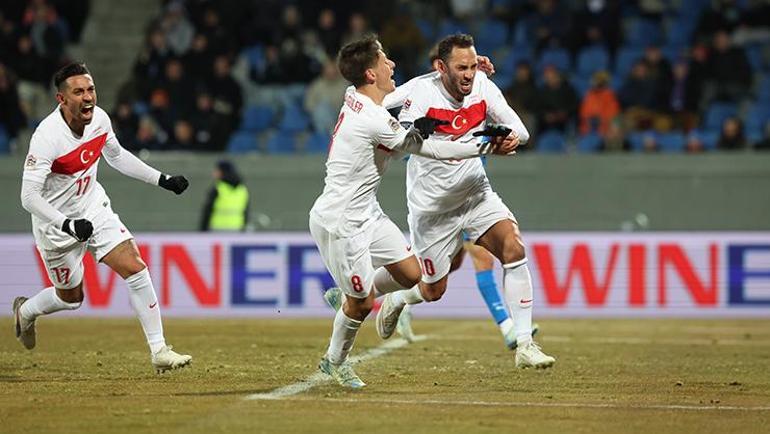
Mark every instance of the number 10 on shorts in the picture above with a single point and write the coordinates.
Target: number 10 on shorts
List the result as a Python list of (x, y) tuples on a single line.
[(427, 267)]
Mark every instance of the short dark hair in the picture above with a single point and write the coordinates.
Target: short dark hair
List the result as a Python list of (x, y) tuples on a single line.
[(459, 40), (358, 56), (69, 70)]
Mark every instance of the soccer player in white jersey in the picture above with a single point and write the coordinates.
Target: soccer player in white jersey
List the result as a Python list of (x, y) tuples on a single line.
[(447, 198), (71, 212), (360, 246)]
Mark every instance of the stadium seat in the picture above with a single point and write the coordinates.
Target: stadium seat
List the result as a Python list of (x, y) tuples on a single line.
[(717, 113), (5, 141), (257, 118), (491, 35), (637, 139), (557, 57), (503, 79), (709, 138), (671, 142), (294, 119), (242, 141), (426, 28), (763, 92), (317, 143), (516, 55), (757, 55), (756, 118), (255, 55), (625, 59), (581, 84), (551, 142), (591, 142), (281, 143), (592, 59), (450, 27)]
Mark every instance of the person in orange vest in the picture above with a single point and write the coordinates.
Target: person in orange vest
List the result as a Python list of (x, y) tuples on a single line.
[(227, 204)]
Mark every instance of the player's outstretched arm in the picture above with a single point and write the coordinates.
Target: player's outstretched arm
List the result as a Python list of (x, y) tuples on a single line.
[(129, 165), (451, 150)]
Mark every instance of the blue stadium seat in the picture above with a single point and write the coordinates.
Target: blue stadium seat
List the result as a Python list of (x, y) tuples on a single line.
[(671, 142), (317, 143), (637, 139), (592, 59), (581, 84), (294, 119), (255, 55), (281, 143), (709, 138), (257, 118), (242, 141), (757, 55), (557, 57), (756, 118), (763, 93), (591, 142), (426, 28), (717, 113), (503, 79), (5, 141), (625, 60), (642, 32), (491, 35), (551, 142), (450, 27), (679, 31), (516, 55)]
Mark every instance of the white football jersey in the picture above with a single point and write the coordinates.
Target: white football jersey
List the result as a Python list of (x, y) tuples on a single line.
[(439, 186), (363, 143), (67, 167)]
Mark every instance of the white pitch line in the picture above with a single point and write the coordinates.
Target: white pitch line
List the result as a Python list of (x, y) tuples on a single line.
[(545, 404), (319, 378)]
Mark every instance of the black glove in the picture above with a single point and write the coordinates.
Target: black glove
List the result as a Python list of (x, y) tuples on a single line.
[(427, 126), (80, 229), (177, 183), (493, 131)]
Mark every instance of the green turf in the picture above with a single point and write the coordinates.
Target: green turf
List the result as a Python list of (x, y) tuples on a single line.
[(611, 376)]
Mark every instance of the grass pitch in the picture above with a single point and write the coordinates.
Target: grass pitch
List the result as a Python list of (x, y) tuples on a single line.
[(611, 376)]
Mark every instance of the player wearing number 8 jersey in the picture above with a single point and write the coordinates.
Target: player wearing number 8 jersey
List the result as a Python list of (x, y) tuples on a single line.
[(362, 249), (71, 212), (449, 198)]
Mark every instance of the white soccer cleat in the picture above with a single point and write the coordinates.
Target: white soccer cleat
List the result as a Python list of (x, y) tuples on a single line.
[(342, 373), (387, 317), (529, 355), (25, 330), (404, 325), (334, 298), (510, 337), (166, 359)]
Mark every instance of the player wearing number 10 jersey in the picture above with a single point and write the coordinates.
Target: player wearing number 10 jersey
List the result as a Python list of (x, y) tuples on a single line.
[(71, 213), (362, 249)]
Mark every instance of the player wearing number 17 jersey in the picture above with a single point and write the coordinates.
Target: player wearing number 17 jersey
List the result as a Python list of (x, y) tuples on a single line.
[(449, 198), (362, 249), (71, 213)]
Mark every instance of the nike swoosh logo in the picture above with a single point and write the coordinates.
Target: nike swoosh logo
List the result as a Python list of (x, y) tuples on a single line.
[(408, 248), (153, 305), (522, 301)]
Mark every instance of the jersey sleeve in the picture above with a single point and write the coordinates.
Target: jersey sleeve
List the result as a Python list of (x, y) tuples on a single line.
[(398, 97), (124, 161), (501, 113), (389, 132), (39, 159), (415, 106)]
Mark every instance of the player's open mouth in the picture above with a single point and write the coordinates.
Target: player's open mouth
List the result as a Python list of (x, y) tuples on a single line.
[(87, 109)]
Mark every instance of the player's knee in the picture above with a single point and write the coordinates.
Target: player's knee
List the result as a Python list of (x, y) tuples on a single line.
[(73, 297), (432, 292), (135, 265), (513, 250)]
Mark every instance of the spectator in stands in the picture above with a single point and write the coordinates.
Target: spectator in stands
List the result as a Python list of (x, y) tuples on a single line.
[(12, 118), (732, 136), (694, 144), (548, 25), (125, 124), (404, 43), (220, 40), (177, 85), (200, 57), (227, 204), (638, 98), (184, 137), (721, 15), (615, 139), (600, 105), (729, 72), (151, 61), (598, 23), (659, 70), (178, 30), (650, 143), (523, 95), (329, 36), (357, 28), (226, 93), (212, 129), (324, 97), (684, 97), (148, 136), (557, 101)]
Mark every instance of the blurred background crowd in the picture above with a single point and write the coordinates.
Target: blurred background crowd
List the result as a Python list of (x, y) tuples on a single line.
[(259, 76)]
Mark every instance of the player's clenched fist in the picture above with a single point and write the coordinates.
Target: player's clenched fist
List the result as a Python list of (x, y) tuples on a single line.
[(80, 229), (505, 145), (177, 183)]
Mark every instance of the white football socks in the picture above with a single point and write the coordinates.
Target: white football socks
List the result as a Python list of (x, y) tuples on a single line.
[(408, 296), (384, 283), (143, 300), (517, 290), (343, 337), (45, 302)]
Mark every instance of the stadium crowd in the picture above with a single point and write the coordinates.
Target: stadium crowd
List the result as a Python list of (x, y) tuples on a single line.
[(585, 76)]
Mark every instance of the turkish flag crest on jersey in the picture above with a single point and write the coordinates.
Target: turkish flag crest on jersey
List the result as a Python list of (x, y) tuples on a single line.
[(81, 158), (460, 121)]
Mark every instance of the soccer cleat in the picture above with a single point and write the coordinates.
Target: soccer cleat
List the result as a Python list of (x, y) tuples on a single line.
[(334, 298), (343, 373), (510, 337), (166, 359), (25, 330), (404, 325), (387, 317), (530, 356)]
